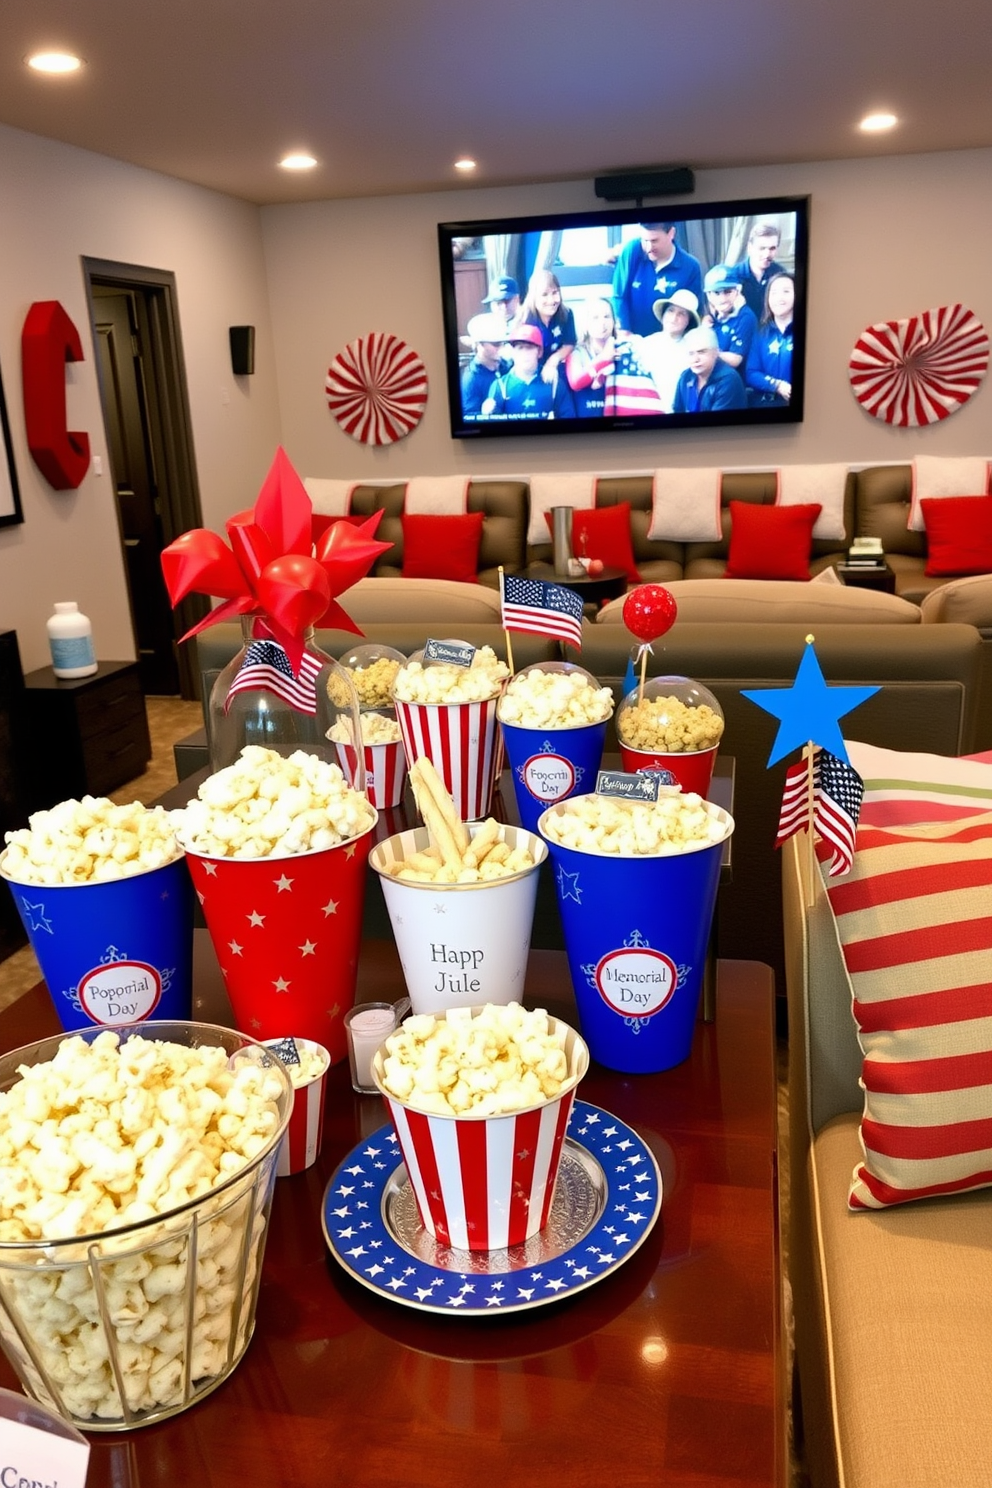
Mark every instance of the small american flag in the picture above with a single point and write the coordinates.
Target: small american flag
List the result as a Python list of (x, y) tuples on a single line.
[(837, 793), (266, 667), (544, 609)]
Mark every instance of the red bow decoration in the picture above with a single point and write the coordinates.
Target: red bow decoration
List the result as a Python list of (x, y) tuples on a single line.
[(272, 568)]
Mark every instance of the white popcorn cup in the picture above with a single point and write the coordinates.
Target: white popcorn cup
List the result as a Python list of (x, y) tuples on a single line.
[(303, 1136), (487, 1182), (460, 944), (462, 742)]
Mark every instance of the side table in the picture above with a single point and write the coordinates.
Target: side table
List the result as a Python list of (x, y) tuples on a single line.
[(594, 588), (89, 735), (861, 576)]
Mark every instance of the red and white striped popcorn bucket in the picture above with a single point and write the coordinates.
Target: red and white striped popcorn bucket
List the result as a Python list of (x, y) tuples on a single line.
[(487, 1182), (385, 771), (301, 1140), (462, 742)]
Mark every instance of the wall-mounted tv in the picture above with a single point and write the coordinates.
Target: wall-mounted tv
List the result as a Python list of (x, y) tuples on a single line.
[(642, 318)]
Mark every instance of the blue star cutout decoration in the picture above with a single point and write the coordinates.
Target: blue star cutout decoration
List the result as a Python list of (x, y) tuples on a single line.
[(808, 710), (569, 885)]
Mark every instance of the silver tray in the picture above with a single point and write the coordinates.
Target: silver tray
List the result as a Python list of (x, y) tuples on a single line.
[(607, 1200)]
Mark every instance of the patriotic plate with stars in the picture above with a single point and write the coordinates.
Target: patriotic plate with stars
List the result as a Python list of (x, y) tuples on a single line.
[(607, 1201)]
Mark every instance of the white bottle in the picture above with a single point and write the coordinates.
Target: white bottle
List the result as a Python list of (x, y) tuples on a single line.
[(70, 636)]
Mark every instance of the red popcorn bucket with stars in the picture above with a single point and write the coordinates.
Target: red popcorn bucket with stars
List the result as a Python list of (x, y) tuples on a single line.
[(462, 742), (286, 932), (385, 771), (487, 1182)]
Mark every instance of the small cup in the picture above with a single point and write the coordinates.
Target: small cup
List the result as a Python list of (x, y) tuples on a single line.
[(302, 1138), (368, 1025)]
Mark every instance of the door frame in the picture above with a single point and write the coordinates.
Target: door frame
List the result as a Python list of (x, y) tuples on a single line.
[(172, 431)]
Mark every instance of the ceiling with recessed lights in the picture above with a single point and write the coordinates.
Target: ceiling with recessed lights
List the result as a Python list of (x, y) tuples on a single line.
[(387, 96)]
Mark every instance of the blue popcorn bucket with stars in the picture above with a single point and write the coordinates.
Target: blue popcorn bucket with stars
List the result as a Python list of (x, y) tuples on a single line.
[(636, 931), (115, 952), (549, 765)]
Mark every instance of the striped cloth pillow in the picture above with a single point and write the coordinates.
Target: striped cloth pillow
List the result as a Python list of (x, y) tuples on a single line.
[(903, 788), (914, 918)]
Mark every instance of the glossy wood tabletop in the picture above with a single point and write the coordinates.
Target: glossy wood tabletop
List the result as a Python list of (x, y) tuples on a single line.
[(668, 1372)]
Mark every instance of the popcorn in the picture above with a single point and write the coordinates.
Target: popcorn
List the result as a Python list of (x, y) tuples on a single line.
[(90, 841), (502, 1060), (675, 823), (372, 683), (440, 682), (668, 725), (105, 1136), (538, 699), (377, 728), (265, 805)]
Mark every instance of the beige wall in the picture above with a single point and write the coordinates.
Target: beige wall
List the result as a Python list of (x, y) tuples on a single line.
[(889, 237), (60, 204)]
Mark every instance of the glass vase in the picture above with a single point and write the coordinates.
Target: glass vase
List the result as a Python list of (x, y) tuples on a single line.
[(256, 699)]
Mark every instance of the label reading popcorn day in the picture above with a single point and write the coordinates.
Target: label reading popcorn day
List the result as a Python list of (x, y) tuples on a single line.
[(123, 992), (549, 777), (454, 653), (635, 981)]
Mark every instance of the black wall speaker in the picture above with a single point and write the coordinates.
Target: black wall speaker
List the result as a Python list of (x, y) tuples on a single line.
[(677, 180), (242, 350)]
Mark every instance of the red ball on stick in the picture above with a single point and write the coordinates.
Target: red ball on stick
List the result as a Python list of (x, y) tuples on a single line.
[(649, 611)]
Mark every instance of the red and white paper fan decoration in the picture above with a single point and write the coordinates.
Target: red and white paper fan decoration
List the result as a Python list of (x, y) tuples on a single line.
[(377, 388), (920, 370)]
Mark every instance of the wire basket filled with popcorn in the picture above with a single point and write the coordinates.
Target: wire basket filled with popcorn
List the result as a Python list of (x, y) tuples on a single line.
[(672, 726), (553, 717), (104, 894), (480, 1100), (277, 849), (636, 883), (139, 1166), (445, 698)]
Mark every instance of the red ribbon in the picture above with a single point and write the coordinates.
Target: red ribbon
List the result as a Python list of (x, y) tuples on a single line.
[(272, 568)]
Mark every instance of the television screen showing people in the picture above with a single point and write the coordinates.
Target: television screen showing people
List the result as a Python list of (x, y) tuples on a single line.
[(615, 317)]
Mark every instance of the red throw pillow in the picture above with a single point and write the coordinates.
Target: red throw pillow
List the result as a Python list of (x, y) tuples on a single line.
[(442, 547), (770, 542), (603, 532), (959, 535)]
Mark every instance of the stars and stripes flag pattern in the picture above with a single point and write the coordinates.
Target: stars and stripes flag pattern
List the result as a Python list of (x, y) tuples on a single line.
[(542, 609), (837, 793), (267, 667)]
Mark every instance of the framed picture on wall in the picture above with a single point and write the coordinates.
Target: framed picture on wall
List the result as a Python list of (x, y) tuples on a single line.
[(10, 496)]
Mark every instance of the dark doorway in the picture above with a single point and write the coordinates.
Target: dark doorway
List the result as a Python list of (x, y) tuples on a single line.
[(146, 415)]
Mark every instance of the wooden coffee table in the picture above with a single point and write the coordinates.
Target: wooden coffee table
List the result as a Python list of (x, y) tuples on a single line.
[(669, 1371)]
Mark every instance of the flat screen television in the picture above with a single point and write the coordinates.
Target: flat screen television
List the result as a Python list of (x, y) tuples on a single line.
[(641, 318)]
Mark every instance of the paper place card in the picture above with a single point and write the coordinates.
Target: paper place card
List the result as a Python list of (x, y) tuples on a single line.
[(30, 1455), (630, 787), (284, 1049), (455, 653)]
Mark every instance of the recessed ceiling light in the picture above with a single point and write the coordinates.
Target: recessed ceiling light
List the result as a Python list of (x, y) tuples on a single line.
[(55, 62), (298, 161), (876, 123), (465, 164)]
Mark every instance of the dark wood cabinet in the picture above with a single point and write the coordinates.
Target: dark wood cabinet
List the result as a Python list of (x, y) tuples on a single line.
[(89, 735), (14, 791)]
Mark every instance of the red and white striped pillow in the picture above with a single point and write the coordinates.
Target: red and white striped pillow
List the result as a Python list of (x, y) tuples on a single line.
[(914, 919)]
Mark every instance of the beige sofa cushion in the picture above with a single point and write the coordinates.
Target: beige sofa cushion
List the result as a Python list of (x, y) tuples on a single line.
[(968, 601), (382, 601), (908, 1322), (735, 601)]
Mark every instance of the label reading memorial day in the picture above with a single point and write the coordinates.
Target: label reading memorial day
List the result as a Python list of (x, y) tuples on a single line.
[(630, 787), (454, 653), (284, 1049), (34, 1454), (635, 980), (121, 992)]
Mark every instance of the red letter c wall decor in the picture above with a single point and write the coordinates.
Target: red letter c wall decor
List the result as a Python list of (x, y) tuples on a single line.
[(49, 340)]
